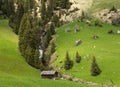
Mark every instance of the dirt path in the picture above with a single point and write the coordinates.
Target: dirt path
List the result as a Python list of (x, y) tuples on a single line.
[(81, 81)]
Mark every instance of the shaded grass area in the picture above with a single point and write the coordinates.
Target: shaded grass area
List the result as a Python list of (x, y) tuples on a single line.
[(14, 71), (106, 49)]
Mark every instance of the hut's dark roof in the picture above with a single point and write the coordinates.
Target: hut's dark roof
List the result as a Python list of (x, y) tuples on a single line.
[(52, 72)]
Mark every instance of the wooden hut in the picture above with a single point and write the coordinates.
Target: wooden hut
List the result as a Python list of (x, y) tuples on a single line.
[(49, 74)]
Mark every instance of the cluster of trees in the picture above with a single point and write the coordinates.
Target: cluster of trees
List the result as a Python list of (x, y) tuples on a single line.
[(7, 6), (34, 33), (68, 64)]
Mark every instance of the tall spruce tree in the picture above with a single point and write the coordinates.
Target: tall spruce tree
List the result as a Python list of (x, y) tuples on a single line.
[(95, 70), (50, 9), (43, 12), (29, 5), (14, 20), (24, 26), (10, 8), (29, 40), (4, 6), (68, 62), (0, 4), (78, 57)]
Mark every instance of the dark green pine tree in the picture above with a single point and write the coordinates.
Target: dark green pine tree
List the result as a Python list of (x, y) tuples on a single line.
[(43, 12), (52, 47), (29, 40), (50, 9), (14, 20), (10, 8), (67, 4), (0, 4), (113, 9), (47, 39), (24, 25), (52, 28), (78, 57), (4, 6), (55, 20), (95, 70), (68, 62), (29, 5), (7, 6), (38, 62), (25, 39)]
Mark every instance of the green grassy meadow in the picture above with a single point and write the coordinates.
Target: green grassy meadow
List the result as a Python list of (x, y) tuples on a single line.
[(104, 4), (106, 49), (14, 71)]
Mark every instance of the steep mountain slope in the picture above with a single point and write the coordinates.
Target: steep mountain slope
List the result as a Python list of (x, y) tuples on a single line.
[(106, 49), (14, 71)]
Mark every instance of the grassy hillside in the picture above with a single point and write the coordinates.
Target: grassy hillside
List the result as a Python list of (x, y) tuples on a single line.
[(106, 49), (104, 4), (14, 71)]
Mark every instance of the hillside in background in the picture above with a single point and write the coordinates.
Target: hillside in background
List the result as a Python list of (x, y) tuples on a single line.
[(104, 4)]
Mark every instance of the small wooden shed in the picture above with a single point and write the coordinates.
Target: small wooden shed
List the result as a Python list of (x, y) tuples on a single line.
[(49, 74)]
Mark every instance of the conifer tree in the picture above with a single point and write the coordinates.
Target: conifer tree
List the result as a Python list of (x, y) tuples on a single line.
[(29, 40), (29, 5), (52, 47), (113, 9), (43, 12), (95, 70), (0, 4), (52, 29), (23, 27), (37, 61), (14, 20), (10, 7), (78, 57), (68, 62), (50, 9), (55, 20)]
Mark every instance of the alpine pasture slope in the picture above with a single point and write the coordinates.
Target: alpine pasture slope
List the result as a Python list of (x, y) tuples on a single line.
[(14, 71), (104, 4), (106, 49)]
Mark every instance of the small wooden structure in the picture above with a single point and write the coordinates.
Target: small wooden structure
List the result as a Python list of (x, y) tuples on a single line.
[(51, 74)]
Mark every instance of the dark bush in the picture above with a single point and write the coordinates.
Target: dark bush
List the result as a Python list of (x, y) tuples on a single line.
[(95, 70), (98, 23), (68, 62), (113, 9), (78, 57)]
